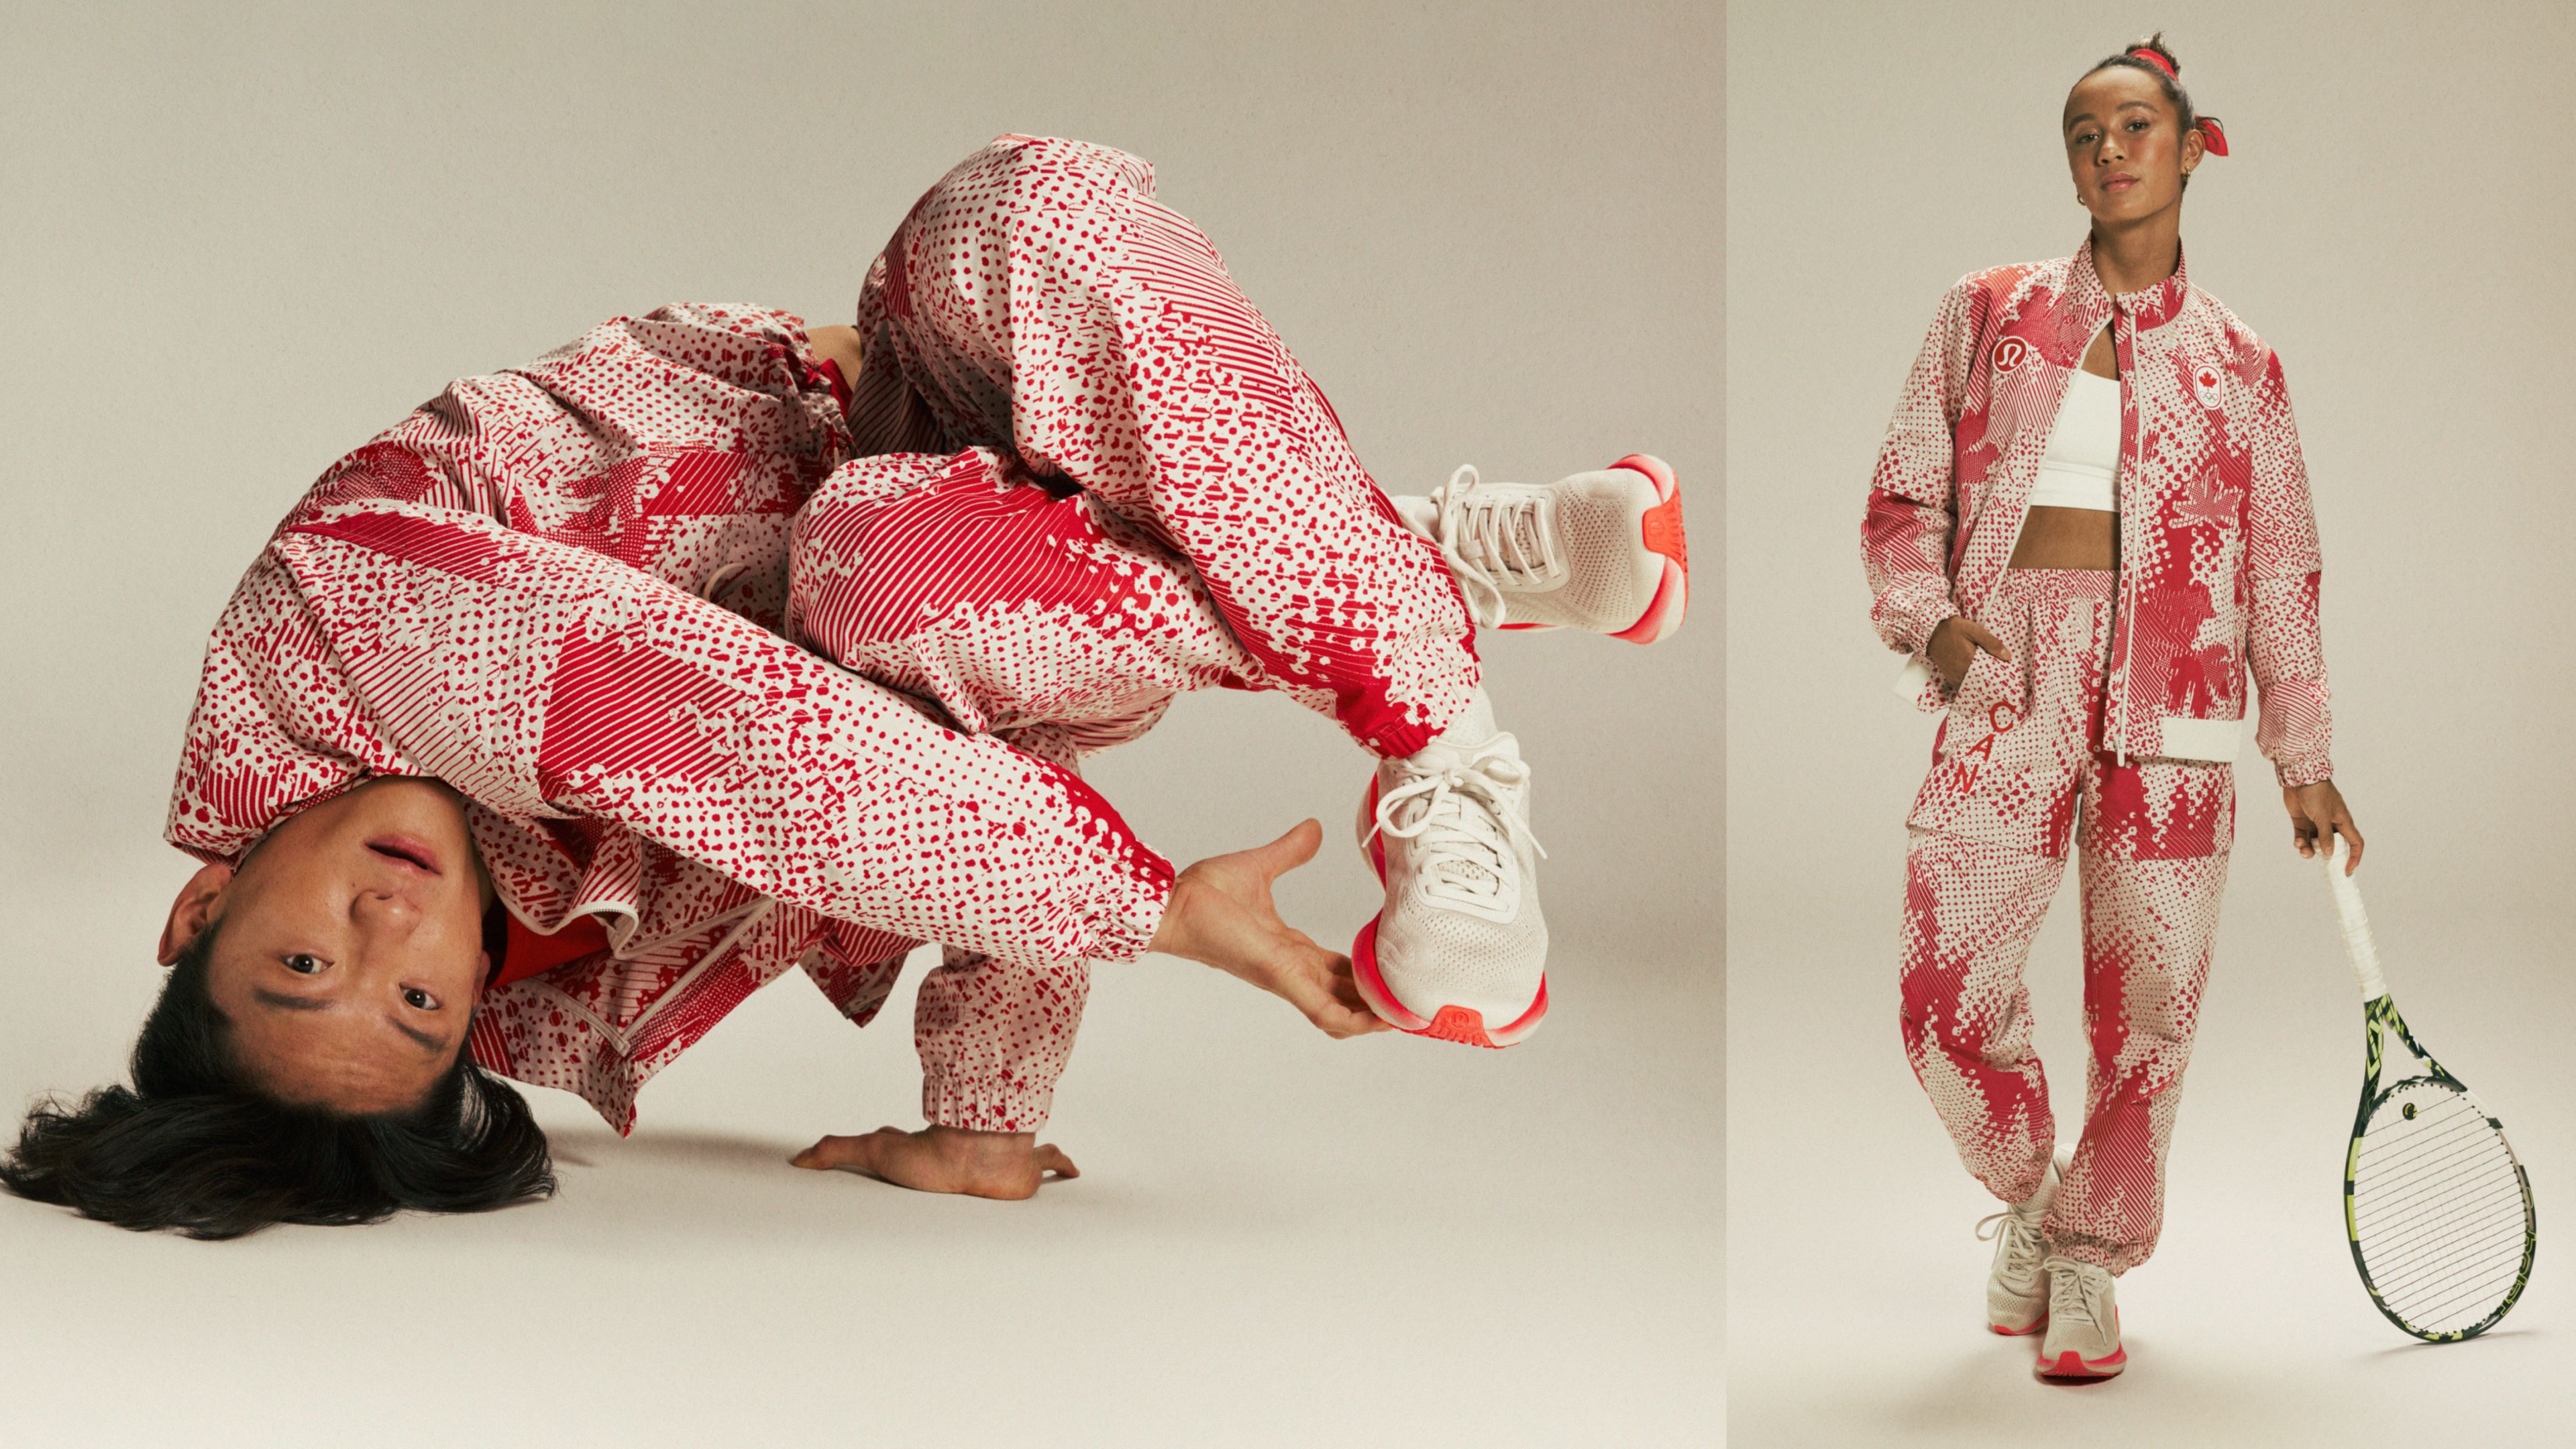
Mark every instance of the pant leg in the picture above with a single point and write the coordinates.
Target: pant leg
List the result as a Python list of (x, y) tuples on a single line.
[(1991, 824), (994, 1039), (1970, 911), (2154, 862), (1039, 297), (1033, 614)]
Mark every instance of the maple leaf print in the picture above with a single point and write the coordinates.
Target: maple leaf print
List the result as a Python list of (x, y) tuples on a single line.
[(2208, 500)]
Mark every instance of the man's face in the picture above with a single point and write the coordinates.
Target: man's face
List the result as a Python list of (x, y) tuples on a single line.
[(351, 953)]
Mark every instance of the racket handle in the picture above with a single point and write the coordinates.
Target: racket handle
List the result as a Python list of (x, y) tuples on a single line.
[(2356, 925)]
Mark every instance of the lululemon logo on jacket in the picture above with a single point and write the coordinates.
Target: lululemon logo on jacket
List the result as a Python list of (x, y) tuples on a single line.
[(2010, 353), (2204, 384)]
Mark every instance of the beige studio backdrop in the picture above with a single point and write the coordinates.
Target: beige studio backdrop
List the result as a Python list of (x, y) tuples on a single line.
[(240, 241), (2394, 221)]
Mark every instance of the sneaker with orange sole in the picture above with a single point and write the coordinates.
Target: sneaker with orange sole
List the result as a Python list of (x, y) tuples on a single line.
[(2083, 1323), (1600, 551), (1459, 951)]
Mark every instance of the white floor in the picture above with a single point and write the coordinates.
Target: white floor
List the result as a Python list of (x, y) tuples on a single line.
[(1856, 1286), (1278, 1239)]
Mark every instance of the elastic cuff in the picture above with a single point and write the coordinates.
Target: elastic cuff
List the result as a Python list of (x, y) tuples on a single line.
[(1124, 925), (1909, 630), (1117, 892), (2293, 774), (985, 1104)]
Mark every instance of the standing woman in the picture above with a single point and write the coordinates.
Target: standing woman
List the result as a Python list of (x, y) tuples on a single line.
[(2089, 523)]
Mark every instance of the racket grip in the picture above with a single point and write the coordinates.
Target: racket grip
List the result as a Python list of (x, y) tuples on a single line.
[(2357, 946)]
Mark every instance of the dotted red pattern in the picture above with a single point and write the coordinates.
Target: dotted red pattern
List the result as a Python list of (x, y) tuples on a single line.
[(2018, 773), (2218, 544)]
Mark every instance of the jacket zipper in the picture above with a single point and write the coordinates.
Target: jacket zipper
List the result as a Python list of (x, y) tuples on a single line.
[(2124, 346)]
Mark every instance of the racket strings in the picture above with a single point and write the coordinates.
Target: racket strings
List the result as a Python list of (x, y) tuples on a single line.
[(2439, 1214), (2437, 1181), (2472, 1259)]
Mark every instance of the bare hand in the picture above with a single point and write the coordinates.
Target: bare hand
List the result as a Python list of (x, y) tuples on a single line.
[(1220, 913), (1955, 644), (945, 1159), (2316, 812)]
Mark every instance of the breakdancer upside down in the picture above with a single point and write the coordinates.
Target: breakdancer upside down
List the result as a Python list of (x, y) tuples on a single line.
[(600, 692)]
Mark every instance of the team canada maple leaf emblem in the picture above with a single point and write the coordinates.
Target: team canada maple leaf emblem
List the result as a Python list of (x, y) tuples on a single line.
[(2207, 499), (2204, 384)]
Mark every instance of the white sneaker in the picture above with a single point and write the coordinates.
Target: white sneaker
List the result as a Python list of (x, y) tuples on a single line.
[(2017, 1287), (1600, 551), (2083, 1323), (1459, 951)]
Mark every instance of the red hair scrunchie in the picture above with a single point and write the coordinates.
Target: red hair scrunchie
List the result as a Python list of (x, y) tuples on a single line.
[(2211, 137)]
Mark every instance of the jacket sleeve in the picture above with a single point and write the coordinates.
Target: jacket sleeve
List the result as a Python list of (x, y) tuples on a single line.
[(1905, 538), (543, 679), (2283, 648)]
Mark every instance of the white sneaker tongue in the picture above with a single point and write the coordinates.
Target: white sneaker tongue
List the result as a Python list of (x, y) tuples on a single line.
[(1471, 729)]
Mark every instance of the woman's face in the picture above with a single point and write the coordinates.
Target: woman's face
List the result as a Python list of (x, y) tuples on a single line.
[(2125, 146), (351, 952)]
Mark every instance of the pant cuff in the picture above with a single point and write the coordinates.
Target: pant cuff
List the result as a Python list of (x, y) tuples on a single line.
[(985, 1104)]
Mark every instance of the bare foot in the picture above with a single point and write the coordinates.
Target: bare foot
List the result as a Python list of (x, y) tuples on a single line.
[(945, 1159)]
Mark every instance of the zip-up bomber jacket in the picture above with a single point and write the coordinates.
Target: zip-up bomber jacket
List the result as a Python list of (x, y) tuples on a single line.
[(2218, 541), (561, 589)]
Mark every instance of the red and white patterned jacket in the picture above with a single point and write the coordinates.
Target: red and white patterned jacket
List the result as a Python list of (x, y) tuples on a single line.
[(2218, 542), (558, 589)]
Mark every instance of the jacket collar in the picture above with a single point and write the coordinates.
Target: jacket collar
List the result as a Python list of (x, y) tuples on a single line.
[(2149, 308)]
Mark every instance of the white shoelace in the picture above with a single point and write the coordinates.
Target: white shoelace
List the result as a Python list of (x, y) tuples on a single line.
[(1469, 818), (2070, 1297), (2021, 1249), (1488, 538)]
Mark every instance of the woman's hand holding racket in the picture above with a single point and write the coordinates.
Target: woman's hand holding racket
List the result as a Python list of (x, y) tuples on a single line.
[(2317, 816)]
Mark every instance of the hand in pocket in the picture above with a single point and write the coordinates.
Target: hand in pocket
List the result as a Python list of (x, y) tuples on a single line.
[(1954, 647)]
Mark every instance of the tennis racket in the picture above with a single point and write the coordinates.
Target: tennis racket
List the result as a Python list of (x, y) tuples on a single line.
[(2438, 1209)]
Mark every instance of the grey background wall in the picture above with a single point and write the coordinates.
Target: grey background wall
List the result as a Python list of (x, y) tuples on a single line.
[(2390, 221), (239, 242)]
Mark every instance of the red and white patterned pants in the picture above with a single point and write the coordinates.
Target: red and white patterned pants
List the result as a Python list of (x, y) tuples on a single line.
[(1092, 477), (1038, 303), (1990, 830)]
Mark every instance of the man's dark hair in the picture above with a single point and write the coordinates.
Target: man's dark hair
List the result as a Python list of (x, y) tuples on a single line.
[(195, 1145)]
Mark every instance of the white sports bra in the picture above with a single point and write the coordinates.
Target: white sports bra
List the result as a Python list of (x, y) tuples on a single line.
[(2082, 459)]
